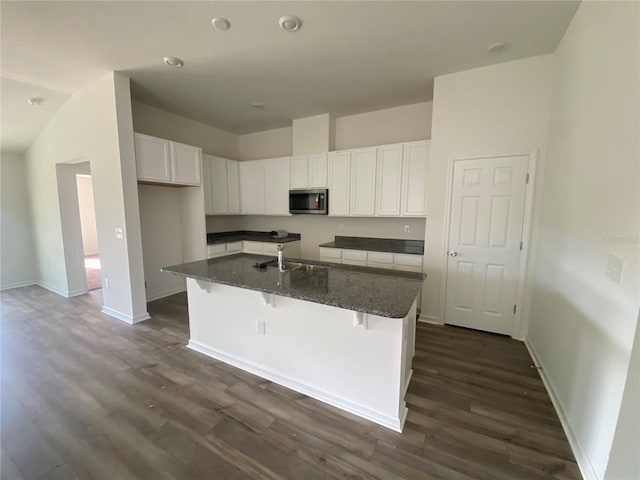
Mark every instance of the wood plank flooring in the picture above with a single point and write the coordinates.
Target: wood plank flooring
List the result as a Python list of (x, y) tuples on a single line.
[(85, 396)]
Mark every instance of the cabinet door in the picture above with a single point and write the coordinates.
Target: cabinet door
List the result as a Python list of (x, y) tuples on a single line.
[(186, 166), (363, 182), (153, 161), (253, 247), (299, 172), (219, 186), (233, 183), (318, 170), (207, 167), (252, 187), (416, 156), (277, 181), (389, 180), (339, 174)]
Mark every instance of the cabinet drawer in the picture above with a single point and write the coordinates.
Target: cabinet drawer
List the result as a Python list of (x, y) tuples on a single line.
[(406, 260), (253, 247), (234, 247), (216, 250), (271, 249), (354, 255), (380, 257), (331, 254)]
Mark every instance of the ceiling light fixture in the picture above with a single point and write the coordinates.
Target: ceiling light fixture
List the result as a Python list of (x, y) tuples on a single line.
[(496, 47), (35, 101), (173, 61), (221, 23), (290, 23), (258, 105)]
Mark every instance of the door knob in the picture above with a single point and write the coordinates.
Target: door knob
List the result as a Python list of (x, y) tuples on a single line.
[(453, 253)]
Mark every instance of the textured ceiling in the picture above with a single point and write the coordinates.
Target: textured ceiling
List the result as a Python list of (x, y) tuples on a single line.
[(348, 57)]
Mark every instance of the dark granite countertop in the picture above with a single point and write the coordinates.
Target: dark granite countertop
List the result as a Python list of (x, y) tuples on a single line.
[(239, 235), (391, 245), (386, 293)]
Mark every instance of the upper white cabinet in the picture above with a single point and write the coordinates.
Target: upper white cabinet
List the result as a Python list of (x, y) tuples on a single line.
[(277, 181), (389, 180), (163, 161), (339, 182), (221, 188), (363, 182), (252, 187), (414, 178), (309, 171)]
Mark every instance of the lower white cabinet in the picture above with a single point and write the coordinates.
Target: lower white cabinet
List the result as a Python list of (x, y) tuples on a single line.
[(395, 261), (291, 249)]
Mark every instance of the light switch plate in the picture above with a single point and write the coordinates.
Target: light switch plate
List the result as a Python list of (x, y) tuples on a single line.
[(614, 268), (119, 233)]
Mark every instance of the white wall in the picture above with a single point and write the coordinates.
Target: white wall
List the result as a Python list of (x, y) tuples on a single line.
[(321, 229), (17, 252), (582, 323), (160, 123), (380, 127), (312, 134), (93, 125), (268, 144), (87, 214), (500, 109)]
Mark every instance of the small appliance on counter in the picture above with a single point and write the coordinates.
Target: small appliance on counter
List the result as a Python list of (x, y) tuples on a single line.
[(279, 234)]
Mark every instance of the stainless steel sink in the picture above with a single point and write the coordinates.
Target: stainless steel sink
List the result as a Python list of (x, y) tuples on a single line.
[(306, 267)]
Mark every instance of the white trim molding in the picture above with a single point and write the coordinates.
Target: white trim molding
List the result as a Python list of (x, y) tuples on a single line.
[(429, 319), (166, 293), (351, 407), (10, 286), (125, 317), (584, 464)]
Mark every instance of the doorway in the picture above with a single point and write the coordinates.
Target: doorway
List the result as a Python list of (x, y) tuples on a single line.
[(485, 242), (90, 249)]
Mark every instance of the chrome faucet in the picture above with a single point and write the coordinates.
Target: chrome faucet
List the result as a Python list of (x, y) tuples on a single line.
[(281, 257)]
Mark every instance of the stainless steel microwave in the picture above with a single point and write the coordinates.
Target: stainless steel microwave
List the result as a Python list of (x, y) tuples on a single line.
[(314, 202)]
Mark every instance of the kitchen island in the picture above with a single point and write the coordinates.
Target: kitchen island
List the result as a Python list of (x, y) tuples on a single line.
[(341, 334)]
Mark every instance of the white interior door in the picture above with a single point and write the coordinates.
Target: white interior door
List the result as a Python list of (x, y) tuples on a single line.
[(485, 234)]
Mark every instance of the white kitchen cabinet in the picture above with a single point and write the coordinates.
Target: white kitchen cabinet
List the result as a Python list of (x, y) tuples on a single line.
[(415, 158), (339, 182), (396, 261), (405, 261), (333, 255), (380, 259), (162, 161), (276, 186), (233, 184), (299, 170), (252, 187), (354, 257), (388, 180), (216, 250), (317, 168), (363, 182), (153, 160), (207, 175), (219, 186), (253, 247), (186, 164), (234, 247)]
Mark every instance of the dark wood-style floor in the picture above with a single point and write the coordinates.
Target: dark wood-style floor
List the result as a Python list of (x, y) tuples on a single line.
[(87, 396)]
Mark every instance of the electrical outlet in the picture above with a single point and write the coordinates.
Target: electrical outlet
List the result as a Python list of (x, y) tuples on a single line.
[(106, 283), (341, 226), (261, 327), (406, 229), (614, 268), (119, 233)]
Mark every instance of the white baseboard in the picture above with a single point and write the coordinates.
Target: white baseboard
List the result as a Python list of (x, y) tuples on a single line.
[(584, 464), (385, 420), (9, 286), (166, 293), (76, 293), (53, 289), (125, 317), (429, 319)]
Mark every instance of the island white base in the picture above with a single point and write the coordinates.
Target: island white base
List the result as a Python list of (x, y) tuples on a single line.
[(357, 362)]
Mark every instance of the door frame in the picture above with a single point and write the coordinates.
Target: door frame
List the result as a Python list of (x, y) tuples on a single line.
[(522, 287)]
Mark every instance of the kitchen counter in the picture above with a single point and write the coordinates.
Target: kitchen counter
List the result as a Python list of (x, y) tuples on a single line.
[(375, 291), (391, 245), (240, 235)]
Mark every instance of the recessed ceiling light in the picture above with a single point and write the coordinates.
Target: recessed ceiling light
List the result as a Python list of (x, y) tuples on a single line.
[(496, 47), (221, 23), (35, 101), (258, 105), (173, 61), (290, 23)]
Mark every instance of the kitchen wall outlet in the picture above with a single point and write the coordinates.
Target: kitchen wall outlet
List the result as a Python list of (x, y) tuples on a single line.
[(106, 283), (119, 233), (614, 268), (341, 226), (261, 327), (406, 229)]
